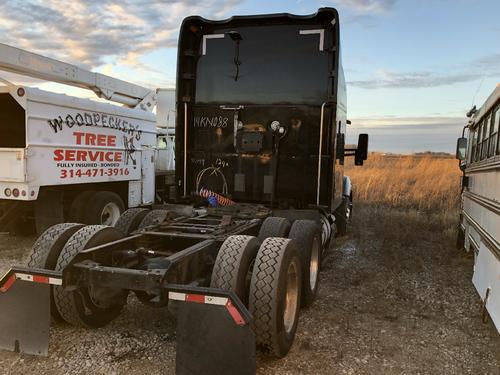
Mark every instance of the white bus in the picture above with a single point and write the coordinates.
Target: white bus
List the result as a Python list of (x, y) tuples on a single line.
[(479, 154)]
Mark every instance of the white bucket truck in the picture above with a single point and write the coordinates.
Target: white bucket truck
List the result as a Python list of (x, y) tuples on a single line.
[(64, 158)]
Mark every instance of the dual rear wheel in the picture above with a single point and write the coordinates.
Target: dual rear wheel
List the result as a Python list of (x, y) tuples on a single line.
[(55, 249), (59, 245), (273, 276)]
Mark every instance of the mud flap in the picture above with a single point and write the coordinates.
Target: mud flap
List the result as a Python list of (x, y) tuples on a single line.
[(213, 332), (25, 311)]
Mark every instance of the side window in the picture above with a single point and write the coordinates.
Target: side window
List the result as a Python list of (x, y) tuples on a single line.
[(472, 153), (477, 155), (495, 121), (486, 133)]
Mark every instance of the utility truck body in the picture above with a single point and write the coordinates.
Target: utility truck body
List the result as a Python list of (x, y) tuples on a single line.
[(55, 148)]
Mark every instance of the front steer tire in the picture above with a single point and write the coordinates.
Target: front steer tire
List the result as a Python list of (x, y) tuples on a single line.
[(77, 307), (275, 295), (343, 216)]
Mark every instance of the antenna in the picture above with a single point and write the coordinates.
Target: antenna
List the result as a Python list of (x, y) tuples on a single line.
[(478, 88)]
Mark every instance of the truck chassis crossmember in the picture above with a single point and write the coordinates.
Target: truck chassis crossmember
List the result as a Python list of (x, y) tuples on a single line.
[(141, 263)]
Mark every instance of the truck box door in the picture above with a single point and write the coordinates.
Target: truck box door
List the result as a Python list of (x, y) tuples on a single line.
[(12, 165), (148, 175)]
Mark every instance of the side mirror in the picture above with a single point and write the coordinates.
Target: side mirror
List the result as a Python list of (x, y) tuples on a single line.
[(461, 148), (362, 149)]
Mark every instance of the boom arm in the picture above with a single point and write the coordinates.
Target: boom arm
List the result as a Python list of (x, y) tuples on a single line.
[(30, 64)]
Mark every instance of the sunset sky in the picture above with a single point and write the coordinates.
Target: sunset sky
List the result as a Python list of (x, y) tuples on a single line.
[(413, 70)]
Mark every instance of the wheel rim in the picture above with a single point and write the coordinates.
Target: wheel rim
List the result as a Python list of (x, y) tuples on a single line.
[(291, 297), (314, 264), (325, 230), (348, 212), (110, 214)]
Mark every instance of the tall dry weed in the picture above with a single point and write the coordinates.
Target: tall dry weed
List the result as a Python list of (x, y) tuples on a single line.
[(430, 184)]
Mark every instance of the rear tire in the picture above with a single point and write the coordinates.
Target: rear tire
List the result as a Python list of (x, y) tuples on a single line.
[(232, 269), (275, 295), (153, 217), (307, 236), (77, 307), (103, 208), (77, 213), (130, 220), (46, 250), (274, 227)]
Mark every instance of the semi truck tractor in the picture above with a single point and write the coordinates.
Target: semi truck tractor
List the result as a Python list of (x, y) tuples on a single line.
[(64, 158), (479, 153), (260, 196)]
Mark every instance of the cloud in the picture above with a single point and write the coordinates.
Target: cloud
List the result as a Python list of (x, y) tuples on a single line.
[(367, 6), (92, 33), (406, 120), (486, 66), (387, 79), (408, 134)]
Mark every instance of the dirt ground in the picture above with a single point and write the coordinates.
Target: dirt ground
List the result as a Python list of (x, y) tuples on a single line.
[(395, 298)]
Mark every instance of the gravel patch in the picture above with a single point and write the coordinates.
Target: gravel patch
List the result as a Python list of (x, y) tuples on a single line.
[(395, 298)]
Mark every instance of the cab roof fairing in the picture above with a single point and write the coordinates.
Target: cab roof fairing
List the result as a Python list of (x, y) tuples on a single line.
[(326, 15)]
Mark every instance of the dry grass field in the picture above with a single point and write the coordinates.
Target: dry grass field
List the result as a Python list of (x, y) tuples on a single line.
[(423, 189), (424, 183)]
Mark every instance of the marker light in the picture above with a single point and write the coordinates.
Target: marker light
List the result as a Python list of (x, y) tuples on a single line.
[(7, 192), (15, 192)]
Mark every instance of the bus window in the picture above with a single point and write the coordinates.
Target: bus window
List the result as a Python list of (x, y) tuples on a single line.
[(486, 133), (479, 138), (495, 120), (473, 136)]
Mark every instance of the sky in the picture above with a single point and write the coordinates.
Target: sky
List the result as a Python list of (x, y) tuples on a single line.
[(413, 68)]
